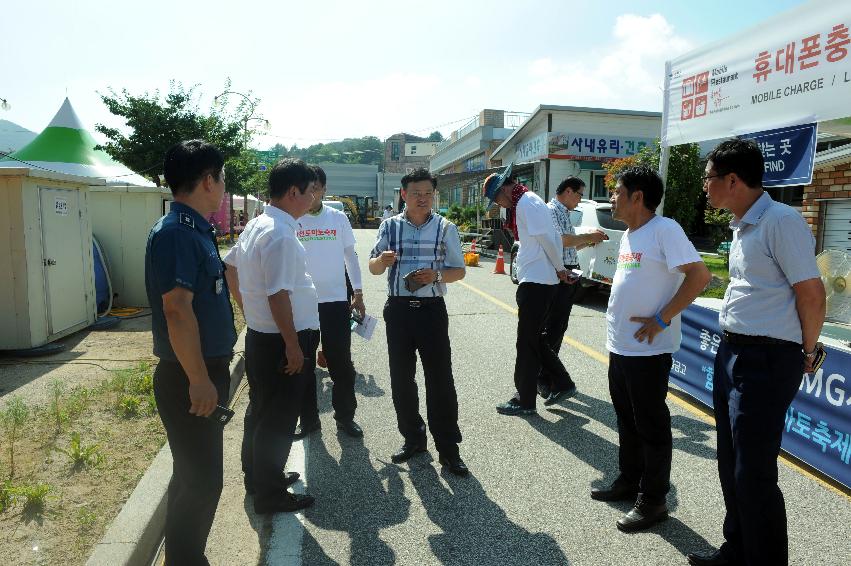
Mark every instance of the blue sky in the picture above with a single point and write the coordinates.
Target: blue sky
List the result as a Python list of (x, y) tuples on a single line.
[(328, 70)]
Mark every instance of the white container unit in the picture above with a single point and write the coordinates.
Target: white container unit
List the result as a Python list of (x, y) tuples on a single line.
[(47, 287)]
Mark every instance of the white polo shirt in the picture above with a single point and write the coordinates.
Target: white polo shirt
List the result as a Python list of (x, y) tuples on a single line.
[(535, 220), (269, 258)]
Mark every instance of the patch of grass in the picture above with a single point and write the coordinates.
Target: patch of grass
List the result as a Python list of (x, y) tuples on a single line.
[(7, 495), (35, 496), (14, 418), (83, 455), (86, 519), (57, 408), (718, 267), (128, 406), (134, 391)]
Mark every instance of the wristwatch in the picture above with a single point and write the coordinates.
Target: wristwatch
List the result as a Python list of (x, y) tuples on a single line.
[(439, 277)]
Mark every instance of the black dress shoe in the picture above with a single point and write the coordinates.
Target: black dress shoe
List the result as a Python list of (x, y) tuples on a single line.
[(714, 558), (617, 492), (289, 479), (455, 465), (286, 503), (301, 431), (406, 452), (351, 428), (544, 390), (642, 516)]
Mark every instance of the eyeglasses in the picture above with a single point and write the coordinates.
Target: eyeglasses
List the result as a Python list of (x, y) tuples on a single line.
[(707, 177)]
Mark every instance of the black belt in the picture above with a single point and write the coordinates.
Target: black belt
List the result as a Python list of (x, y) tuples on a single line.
[(571, 266), (414, 302), (745, 339)]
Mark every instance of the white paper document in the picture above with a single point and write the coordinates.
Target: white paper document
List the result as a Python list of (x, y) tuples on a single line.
[(367, 327)]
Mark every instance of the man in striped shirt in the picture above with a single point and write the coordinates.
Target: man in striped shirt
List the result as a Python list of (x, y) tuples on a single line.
[(423, 253), (568, 194)]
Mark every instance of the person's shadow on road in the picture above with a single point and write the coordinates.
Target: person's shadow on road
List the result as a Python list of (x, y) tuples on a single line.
[(351, 498), (365, 386), (695, 431), (569, 433), (475, 529)]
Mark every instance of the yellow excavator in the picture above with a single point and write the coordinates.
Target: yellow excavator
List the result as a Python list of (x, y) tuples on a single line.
[(358, 209)]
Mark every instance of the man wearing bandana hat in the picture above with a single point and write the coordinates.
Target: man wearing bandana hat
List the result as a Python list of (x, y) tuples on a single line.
[(540, 268)]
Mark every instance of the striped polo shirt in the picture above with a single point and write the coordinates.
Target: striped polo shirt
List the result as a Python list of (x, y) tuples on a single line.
[(433, 245)]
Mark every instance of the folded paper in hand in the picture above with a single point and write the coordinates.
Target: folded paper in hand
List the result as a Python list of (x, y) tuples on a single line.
[(367, 327)]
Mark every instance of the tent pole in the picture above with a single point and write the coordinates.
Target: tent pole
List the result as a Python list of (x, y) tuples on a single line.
[(664, 157)]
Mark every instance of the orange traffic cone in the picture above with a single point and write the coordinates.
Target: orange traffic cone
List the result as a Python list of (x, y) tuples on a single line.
[(499, 267)]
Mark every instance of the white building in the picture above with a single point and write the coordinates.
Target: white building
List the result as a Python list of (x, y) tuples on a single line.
[(558, 141)]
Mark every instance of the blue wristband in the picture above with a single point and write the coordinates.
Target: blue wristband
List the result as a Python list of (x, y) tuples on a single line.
[(661, 322)]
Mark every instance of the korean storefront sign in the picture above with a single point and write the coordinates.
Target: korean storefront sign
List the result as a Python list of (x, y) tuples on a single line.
[(791, 69), (593, 147)]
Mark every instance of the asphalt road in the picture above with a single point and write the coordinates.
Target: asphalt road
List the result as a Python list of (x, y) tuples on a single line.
[(526, 501)]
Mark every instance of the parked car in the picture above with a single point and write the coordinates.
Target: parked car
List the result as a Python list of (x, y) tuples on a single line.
[(598, 263)]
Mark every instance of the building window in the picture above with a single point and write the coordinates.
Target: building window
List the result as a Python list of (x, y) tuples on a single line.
[(599, 191), (394, 151), (413, 150)]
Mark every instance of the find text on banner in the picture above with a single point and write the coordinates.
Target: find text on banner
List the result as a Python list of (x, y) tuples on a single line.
[(818, 423), (792, 69), (789, 154)]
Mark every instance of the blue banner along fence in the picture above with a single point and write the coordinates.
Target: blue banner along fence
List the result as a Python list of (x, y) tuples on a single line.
[(818, 423), (789, 154)]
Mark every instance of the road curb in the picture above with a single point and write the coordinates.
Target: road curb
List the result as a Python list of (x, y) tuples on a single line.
[(135, 534)]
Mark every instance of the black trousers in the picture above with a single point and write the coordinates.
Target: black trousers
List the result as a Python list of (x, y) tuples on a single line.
[(274, 403), (336, 336), (422, 326), (638, 386), (555, 325), (534, 354), (196, 448), (753, 388)]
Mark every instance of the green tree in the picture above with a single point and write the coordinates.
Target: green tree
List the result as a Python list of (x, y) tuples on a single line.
[(435, 137), (684, 182), (157, 122)]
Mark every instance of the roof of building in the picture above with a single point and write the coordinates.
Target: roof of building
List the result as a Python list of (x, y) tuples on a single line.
[(833, 156), (557, 108)]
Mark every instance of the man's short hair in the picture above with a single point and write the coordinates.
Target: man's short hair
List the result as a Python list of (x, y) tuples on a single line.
[(187, 162), (575, 184), (320, 175), (644, 179), (419, 174), (289, 172), (740, 156)]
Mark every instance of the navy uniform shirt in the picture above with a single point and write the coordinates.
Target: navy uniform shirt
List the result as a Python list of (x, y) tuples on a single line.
[(182, 252)]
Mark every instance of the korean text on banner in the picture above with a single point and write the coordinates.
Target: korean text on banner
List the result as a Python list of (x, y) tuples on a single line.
[(791, 69), (818, 422), (789, 154)]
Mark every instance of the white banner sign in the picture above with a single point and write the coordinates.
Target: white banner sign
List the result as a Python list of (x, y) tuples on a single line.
[(791, 69)]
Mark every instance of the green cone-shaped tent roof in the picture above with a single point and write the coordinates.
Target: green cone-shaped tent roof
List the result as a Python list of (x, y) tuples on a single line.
[(66, 147)]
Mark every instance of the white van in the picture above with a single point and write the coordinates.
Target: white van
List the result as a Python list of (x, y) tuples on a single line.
[(598, 263)]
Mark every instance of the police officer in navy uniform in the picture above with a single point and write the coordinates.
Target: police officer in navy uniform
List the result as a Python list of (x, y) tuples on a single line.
[(193, 336)]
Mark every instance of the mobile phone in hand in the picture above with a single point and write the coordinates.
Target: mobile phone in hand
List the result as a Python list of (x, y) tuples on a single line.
[(819, 359), (221, 415)]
